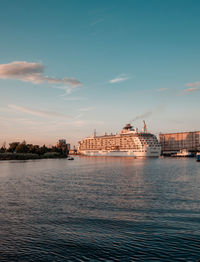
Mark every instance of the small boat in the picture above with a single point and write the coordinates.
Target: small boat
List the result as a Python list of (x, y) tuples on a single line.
[(198, 157), (70, 158), (184, 153)]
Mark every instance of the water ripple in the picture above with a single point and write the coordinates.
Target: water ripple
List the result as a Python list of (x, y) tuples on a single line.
[(100, 209)]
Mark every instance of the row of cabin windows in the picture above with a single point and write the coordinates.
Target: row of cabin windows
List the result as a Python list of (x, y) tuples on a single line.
[(111, 142), (127, 143), (111, 147), (119, 142)]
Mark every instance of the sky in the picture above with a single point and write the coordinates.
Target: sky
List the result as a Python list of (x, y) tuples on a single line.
[(68, 67)]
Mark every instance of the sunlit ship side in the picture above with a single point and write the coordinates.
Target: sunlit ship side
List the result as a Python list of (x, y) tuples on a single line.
[(130, 142)]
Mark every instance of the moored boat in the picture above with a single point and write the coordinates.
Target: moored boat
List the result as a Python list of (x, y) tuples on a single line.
[(198, 157), (184, 153)]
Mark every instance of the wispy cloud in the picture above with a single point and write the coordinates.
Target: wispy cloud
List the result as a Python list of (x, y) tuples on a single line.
[(97, 22), (118, 79), (192, 89), (68, 90), (41, 113), (75, 98), (7, 121), (78, 116), (32, 72), (86, 109), (162, 89), (194, 84)]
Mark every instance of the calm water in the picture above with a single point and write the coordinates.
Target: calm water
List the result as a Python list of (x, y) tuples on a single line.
[(100, 209)]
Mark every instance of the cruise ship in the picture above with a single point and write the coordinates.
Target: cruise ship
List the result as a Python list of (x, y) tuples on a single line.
[(129, 142)]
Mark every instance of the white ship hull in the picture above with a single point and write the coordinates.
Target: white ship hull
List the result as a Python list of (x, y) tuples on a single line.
[(129, 143), (130, 153)]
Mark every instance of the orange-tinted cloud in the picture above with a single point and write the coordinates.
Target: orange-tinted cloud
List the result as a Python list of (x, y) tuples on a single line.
[(32, 72), (192, 89), (194, 84), (36, 112)]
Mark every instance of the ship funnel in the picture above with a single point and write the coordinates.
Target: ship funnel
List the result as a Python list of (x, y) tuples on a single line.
[(128, 127)]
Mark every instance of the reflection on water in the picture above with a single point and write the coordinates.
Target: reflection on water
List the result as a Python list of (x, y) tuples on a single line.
[(100, 209)]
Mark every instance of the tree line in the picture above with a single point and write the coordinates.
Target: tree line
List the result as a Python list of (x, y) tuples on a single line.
[(19, 148)]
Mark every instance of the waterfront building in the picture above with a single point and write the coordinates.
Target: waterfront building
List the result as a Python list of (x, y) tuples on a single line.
[(68, 146), (63, 145), (62, 142), (174, 142)]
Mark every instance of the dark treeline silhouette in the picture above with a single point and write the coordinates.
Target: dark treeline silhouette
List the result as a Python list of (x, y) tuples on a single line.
[(17, 150)]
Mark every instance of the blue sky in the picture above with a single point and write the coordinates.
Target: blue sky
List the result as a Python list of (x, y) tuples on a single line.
[(69, 67)]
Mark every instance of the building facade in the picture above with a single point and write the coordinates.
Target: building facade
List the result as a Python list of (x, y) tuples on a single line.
[(174, 142)]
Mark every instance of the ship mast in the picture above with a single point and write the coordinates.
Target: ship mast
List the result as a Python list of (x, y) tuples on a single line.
[(145, 127)]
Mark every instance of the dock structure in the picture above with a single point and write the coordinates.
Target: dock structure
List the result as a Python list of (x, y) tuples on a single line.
[(174, 142)]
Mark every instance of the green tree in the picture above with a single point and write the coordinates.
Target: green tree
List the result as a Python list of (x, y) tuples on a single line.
[(2, 149), (43, 150), (13, 146), (22, 148)]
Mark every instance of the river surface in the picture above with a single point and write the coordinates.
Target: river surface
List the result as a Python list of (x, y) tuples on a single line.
[(100, 209)]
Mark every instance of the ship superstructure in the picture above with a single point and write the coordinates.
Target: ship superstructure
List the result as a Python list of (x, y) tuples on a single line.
[(129, 142)]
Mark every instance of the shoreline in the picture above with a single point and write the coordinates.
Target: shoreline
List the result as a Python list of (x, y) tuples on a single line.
[(29, 156)]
